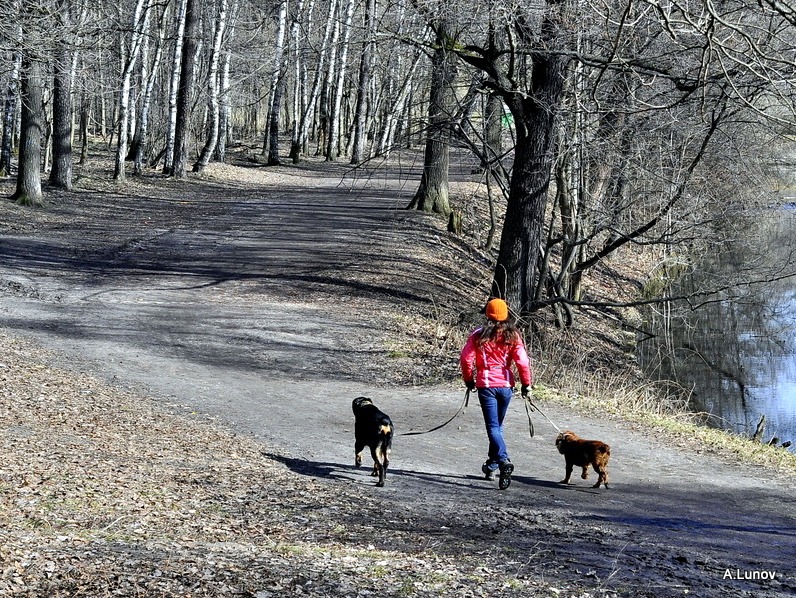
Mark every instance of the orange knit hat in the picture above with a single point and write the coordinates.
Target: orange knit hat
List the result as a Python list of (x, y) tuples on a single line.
[(497, 310)]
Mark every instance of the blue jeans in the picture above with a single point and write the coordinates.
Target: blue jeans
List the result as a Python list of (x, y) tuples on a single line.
[(494, 404)]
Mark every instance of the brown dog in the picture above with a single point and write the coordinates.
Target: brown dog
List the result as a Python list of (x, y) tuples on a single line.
[(582, 453)]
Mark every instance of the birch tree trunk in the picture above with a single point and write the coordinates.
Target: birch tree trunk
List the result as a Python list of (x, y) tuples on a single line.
[(225, 109), (140, 19), (148, 75), (397, 109), (174, 86), (323, 106), (300, 141), (335, 116), (360, 118), (299, 47), (9, 115), (276, 77), (213, 107)]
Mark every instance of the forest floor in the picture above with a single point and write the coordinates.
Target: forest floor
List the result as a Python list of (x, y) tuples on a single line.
[(177, 364)]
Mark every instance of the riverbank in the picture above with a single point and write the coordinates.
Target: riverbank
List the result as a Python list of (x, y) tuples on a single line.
[(683, 428)]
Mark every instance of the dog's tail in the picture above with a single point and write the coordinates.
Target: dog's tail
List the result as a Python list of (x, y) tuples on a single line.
[(385, 431), (383, 447)]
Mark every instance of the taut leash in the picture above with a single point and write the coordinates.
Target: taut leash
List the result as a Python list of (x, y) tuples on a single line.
[(461, 411)]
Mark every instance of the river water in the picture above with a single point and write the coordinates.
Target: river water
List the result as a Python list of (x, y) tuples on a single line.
[(735, 351)]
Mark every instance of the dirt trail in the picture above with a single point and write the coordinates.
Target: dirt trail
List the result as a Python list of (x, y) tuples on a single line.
[(268, 305)]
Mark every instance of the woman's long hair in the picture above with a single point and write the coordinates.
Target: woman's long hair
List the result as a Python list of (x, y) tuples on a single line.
[(504, 333)]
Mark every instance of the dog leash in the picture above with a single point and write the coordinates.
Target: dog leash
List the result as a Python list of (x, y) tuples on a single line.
[(529, 407), (461, 411)]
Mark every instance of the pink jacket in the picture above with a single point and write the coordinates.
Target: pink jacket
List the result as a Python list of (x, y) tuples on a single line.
[(490, 364)]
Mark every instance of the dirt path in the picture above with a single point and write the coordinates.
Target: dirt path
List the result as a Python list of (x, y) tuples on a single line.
[(270, 306)]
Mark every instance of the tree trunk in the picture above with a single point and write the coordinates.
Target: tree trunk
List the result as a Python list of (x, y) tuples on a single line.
[(181, 132), (224, 107), (276, 77), (85, 112), (300, 140), (360, 119), (103, 109), (299, 45), (493, 128), (28, 191), (61, 173), (148, 77), (174, 87), (273, 127), (324, 122), (140, 20), (335, 116), (515, 273), (9, 116), (213, 92), (432, 195)]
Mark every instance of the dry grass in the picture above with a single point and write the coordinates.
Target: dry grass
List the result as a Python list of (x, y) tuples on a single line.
[(104, 493)]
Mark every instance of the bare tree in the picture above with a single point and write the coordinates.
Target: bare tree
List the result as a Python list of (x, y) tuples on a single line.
[(28, 190), (213, 90), (130, 58), (661, 69), (365, 67), (638, 161), (271, 140), (335, 114), (9, 114), (324, 101), (61, 172), (174, 87), (225, 108), (184, 92), (299, 46), (432, 195), (149, 72), (299, 141)]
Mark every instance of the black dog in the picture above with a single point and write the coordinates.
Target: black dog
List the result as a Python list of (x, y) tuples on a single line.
[(372, 428)]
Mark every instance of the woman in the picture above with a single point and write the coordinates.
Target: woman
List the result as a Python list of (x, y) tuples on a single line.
[(486, 361)]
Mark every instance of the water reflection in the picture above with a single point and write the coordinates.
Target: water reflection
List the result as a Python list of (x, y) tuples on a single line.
[(736, 349)]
